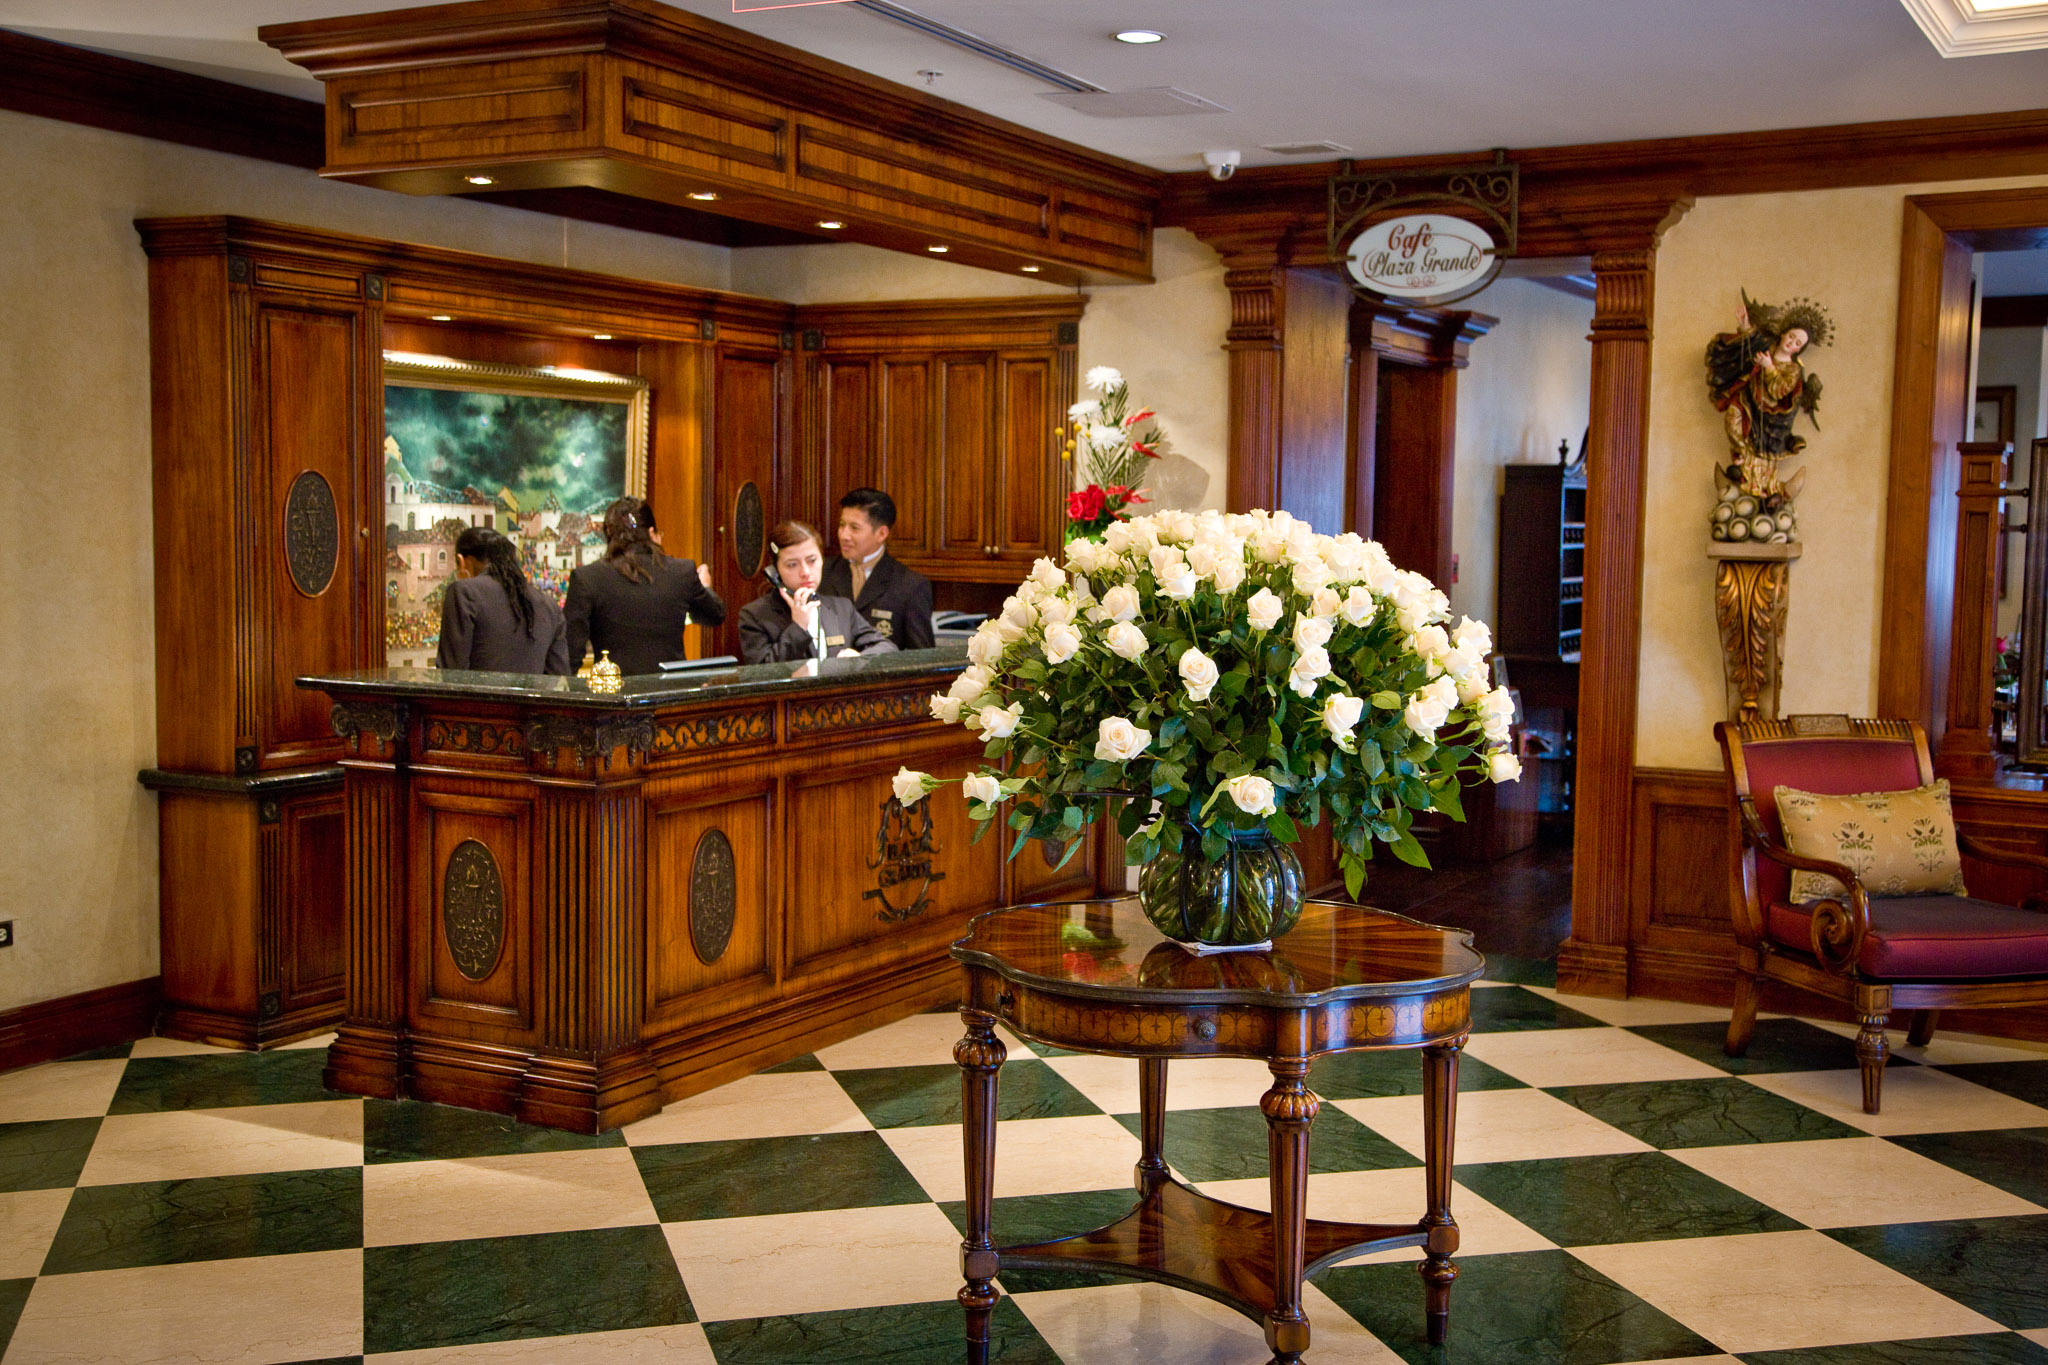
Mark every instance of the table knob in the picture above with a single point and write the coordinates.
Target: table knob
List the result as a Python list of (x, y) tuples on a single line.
[(1205, 1029), (1004, 1001)]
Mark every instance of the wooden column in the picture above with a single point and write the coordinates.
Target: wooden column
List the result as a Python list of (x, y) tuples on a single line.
[(1594, 960), (1969, 749), (1289, 390), (1258, 321)]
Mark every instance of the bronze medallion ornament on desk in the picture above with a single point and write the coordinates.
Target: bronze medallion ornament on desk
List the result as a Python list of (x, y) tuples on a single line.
[(312, 533), (714, 895), (473, 909)]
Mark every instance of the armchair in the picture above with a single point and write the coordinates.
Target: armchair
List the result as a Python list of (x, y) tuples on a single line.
[(1919, 953)]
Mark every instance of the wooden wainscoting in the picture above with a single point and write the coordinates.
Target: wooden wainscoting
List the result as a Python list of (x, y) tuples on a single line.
[(50, 1029)]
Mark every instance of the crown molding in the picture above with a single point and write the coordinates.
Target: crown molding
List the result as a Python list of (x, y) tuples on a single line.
[(1965, 28)]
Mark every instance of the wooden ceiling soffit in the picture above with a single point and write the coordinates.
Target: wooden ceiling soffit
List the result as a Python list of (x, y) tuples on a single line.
[(640, 99), (1032, 322)]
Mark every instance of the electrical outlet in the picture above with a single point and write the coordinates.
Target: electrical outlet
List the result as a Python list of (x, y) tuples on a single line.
[(6, 933)]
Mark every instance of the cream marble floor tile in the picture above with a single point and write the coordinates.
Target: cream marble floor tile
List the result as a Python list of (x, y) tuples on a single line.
[(28, 1224), (1498, 1125), (784, 1104), (1950, 1049), (1033, 1156), (1915, 1099), (920, 1040), (1119, 1323), (308, 1044), (1851, 1182), (173, 1047), (258, 1311), (59, 1090), (502, 1196), (1395, 1196), (678, 1345), (1662, 1360), (1197, 1083), (2038, 1335), (1780, 1290), (1637, 1011), (1585, 1056), (816, 1262), (188, 1144)]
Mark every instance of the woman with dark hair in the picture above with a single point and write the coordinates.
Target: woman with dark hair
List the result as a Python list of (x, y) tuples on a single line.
[(635, 601), (492, 619), (791, 621)]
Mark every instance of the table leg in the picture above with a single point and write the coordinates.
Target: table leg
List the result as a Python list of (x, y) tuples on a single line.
[(1439, 1128), (980, 1054), (1290, 1107), (1151, 1123)]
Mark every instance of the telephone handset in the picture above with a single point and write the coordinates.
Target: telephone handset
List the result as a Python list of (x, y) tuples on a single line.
[(772, 576)]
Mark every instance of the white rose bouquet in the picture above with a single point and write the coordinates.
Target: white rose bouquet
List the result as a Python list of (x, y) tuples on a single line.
[(1230, 673)]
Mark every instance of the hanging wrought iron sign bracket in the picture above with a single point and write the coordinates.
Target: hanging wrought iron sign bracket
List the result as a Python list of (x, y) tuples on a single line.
[(1429, 235)]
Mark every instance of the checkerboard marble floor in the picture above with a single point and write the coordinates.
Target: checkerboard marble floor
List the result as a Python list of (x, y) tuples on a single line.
[(1626, 1192)]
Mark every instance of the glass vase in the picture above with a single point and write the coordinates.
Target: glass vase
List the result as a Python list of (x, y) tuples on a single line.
[(1250, 894)]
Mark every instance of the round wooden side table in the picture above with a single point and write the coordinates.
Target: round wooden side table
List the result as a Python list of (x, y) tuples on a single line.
[(1095, 976)]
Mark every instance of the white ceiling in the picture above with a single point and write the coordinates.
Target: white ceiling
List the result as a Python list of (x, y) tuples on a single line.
[(1384, 77)]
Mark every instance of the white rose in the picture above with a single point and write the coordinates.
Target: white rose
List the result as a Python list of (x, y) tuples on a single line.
[(910, 786), (971, 683), (1497, 713), (1473, 635), (1444, 691), (1120, 603), (1309, 575), (1359, 606), (1424, 714), (1502, 766), (1018, 610), (1212, 558), (1055, 611), (1175, 524), (1102, 377), (982, 787), (1269, 544), (999, 722), (1326, 603), (986, 648), (1309, 665), (1463, 662), (1119, 741), (1008, 631), (1311, 632), (1253, 794), (1431, 642), (1062, 642), (1229, 575), (1198, 671), (1048, 575), (1180, 585), (1166, 560), (1084, 555), (1341, 715), (1126, 640), (1263, 610), (945, 708), (1472, 686)]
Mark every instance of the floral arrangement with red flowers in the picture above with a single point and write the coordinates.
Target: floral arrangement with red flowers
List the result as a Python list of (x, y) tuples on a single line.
[(1118, 445)]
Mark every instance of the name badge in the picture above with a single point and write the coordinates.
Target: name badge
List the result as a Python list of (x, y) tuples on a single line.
[(835, 639), (881, 613)]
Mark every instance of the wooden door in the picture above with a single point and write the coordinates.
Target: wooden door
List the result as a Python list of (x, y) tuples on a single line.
[(903, 443), (962, 486), (747, 436), (1027, 469), (844, 413)]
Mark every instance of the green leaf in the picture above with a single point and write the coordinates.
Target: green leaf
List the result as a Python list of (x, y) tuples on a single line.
[(1282, 827), (1408, 851), (1386, 701), (1448, 802), (1354, 875)]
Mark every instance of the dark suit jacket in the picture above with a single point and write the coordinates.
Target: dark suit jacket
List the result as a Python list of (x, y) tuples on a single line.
[(897, 600), (768, 635), (640, 623), (480, 630)]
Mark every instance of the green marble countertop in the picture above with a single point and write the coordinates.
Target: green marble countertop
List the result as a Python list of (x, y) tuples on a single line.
[(646, 691)]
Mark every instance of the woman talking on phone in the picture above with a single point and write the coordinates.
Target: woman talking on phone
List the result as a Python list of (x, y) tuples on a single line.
[(790, 622)]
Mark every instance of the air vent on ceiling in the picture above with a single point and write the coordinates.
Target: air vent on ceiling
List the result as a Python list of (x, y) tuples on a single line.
[(1306, 148), (1159, 101)]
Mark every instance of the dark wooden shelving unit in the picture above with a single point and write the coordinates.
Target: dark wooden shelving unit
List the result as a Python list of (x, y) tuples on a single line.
[(1537, 621)]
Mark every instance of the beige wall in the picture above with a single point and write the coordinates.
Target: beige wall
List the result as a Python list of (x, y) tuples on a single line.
[(1842, 248), (1526, 389)]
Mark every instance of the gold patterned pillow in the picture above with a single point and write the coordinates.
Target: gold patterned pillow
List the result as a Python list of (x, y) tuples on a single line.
[(1897, 843)]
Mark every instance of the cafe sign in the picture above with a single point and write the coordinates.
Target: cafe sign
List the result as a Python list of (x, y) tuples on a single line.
[(1423, 258)]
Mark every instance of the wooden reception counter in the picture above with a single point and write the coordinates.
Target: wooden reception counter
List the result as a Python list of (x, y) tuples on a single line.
[(574, 906)]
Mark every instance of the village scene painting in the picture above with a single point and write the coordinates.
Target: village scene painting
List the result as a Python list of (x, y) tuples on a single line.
[(534, 455)]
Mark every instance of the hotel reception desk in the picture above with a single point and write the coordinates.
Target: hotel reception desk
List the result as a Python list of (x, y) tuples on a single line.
[(575, 906)]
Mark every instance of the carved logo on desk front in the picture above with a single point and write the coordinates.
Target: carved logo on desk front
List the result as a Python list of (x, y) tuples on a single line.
[(714, 895), (902, 863), (473, 909), (312, 533)]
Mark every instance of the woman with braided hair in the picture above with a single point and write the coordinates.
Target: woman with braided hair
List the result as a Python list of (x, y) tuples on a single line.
[(492, 619)]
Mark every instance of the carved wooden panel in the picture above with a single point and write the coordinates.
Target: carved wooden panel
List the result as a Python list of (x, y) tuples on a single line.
[(1027, 469), (960, 490), (472, 958), (476, 742), (313, 953), (748, 434), (504, 107), (678, 830), (693, 123), (862, 711), (904, 447), (920, 184), (843, 431), (1679, 870), (724, 730), (473, 909), (714, 895)]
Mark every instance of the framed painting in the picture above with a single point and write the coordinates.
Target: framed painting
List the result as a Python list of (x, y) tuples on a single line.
[(536, 454)]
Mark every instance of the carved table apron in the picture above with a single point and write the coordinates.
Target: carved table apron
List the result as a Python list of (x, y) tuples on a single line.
[(1097, 977)]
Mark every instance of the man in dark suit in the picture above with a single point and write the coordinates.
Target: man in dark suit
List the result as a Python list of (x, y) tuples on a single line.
[(895, 600)]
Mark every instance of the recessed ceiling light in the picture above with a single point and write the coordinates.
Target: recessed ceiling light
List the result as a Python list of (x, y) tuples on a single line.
[(1140, 36), (830, 224), (1029, 269), (600, 336), (479, 179), (442, 317), (705, 195), (938, 250)]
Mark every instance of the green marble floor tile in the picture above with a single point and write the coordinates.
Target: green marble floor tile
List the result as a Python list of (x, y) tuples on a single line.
[(102, 1054), (902, 1334), (1519, 1308), (114, 1227), (46, 1155), (1044, 1218), (913, 1096), (409, 1130), (2013, 1159), (1991, 1348), (2022, 1080), (804, 1063), (1522, 971), (1633, 1197), (13, 1296), (222, 1080), (746, 1178), (1776, 1045), (1230, 1144), (1394, 1071), (1504, 1009), (501, 1288), (1993, 1265), (1714, 1113)]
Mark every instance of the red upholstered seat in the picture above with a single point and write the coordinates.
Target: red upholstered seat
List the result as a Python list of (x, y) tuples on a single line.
[(1921, 938)]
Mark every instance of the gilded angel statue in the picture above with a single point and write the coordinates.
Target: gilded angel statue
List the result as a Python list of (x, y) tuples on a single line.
[(1759, 386)]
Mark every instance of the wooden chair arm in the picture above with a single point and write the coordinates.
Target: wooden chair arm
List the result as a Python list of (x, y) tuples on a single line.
[(2008, 857), (1839, 926)]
